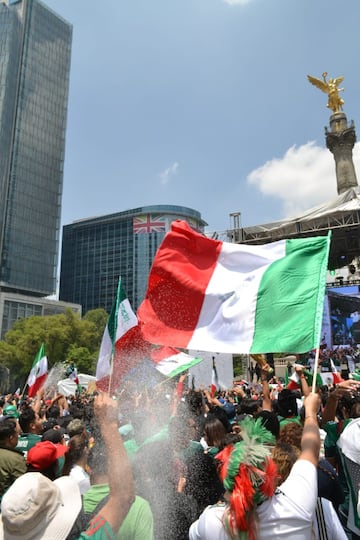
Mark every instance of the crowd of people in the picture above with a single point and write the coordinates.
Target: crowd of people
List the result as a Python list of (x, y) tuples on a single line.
[(171, 462)]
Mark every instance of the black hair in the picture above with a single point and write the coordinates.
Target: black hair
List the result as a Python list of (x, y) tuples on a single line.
[(53, 435), (286, 403), (220, 414), (270, 421), (248, 406), (27, 417), (53, 412), (347, 401), (194, 400), (7, 427)]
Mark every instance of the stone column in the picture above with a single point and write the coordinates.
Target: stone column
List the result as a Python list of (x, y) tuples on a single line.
[(340, 141)]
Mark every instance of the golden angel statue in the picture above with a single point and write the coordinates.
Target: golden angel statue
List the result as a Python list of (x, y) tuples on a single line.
[(331, 88)]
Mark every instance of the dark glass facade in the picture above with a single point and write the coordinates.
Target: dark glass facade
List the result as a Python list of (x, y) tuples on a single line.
[(95, 252), (35, 45)]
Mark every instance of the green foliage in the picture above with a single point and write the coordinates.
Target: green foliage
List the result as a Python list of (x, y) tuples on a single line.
[(238, 366), (66, 337), (98, 317), (83, 358)]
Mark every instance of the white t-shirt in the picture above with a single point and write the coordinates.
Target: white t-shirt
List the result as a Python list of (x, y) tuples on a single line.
[(81, 477), (288, 514)]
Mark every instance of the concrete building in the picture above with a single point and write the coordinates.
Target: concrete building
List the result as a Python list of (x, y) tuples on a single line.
[(96, 251), (17, 306)]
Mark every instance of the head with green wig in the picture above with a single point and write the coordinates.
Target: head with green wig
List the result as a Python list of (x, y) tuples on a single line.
[(249, 476)]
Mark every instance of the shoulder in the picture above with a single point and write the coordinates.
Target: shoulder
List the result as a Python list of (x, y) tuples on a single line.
[(210, 526), (302, 466), (301, 480), (11, 454), (140, 504), (94, 495)]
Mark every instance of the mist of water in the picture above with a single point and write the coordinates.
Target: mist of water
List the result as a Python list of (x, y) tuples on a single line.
[(56, 373)]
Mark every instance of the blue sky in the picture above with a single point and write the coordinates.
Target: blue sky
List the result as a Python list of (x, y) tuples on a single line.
[(206, 104)]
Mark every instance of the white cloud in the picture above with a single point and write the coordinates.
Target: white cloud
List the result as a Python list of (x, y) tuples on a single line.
[(304, 177), (166, 175), (237, 2)]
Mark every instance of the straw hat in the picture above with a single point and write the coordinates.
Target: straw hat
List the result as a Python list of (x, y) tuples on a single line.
[(36, 508)]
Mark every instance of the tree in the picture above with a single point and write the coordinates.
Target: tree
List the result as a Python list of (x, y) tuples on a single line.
[(83, 358), (66, 337)]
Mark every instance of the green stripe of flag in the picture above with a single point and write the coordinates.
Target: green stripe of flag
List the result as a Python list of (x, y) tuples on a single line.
[(293, 288)]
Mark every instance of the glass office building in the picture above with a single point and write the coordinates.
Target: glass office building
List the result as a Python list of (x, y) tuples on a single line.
[(35, 45), (96, 251)]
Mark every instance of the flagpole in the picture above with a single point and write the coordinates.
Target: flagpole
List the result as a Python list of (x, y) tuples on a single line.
[(113, 345), (23, 391), (162, 382), (111, 371), (317, 353), (316, 364)]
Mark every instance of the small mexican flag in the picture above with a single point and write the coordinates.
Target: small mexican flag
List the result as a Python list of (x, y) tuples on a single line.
[(293, 382), (336, 375), (122, 346), (171, 362), (72, 373), (38, 372)]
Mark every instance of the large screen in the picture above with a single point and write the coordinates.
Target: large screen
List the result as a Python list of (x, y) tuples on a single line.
[(344, 313)]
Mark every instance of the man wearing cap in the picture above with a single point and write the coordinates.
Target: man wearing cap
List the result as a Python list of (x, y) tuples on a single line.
[(11, 411), (45, 457), (12, 462), (35, 507)]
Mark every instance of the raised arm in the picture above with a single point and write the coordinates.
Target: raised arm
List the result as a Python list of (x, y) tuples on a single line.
[(212, 400), (266, 403), (36, 404), (341, 389), (122, 491), (310, 440), (305, 388)]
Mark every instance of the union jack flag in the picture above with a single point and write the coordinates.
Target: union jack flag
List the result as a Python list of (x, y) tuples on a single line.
[(148, 224)]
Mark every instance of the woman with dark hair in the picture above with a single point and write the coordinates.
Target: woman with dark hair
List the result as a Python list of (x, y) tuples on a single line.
[(76, 461), (214, 434)]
